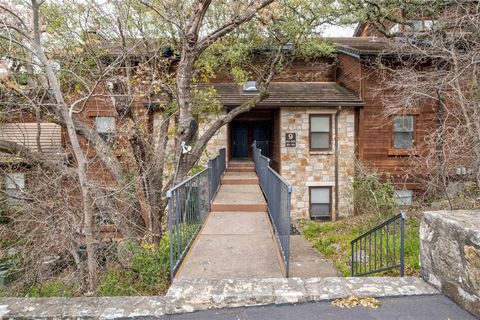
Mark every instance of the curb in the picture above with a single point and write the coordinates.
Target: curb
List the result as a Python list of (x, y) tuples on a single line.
[(195, 295)]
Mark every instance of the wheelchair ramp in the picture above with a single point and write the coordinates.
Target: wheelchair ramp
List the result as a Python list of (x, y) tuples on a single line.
[(236, 241)]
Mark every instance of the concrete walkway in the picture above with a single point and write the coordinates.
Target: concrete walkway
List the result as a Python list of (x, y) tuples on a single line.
[(307, 262), (236, 241)]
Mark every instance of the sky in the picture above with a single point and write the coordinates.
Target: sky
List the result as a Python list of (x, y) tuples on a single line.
[(338, 31)]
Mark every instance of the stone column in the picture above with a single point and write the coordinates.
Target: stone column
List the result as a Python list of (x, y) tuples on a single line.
[(450, 255)]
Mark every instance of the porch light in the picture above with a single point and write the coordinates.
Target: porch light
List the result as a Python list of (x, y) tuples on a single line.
[(185, 148), (250, 87)]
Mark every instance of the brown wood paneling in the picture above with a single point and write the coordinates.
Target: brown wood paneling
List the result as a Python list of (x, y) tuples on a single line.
[(376, 132)]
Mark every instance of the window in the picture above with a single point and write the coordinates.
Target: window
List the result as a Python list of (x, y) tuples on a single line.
[(403, 132), (403, 197), (320, 200), (14, 186), (105, 126), (395, 28), (320, 136), (462, 170), (250, 87), (428, 25), (414, 25)]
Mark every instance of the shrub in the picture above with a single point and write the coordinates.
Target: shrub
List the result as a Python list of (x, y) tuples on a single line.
[(372, 193), (147, 274), (53, 289)]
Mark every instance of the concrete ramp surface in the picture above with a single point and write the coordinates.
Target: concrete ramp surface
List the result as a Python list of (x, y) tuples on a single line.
[(236, 241)]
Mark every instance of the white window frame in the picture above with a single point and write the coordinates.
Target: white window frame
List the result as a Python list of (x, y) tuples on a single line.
[(14, 186), (406, 130), (312, 203), (107, 132), (250, 87), (312, 132), (403, 197)]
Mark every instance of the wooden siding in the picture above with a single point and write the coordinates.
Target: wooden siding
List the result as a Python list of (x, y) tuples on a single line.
[(322, 69), (374, 130), (349, 73), (26, 134)]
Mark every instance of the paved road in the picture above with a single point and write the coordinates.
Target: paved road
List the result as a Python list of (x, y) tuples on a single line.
[(436, 307)]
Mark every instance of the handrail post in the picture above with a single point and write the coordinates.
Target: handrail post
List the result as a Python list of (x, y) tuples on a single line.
[(402, 239), (210, 195), (352, 259), (170, 231)]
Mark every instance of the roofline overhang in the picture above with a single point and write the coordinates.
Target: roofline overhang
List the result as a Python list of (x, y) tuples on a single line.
[(364, 56), (287, 104), (358, 28)]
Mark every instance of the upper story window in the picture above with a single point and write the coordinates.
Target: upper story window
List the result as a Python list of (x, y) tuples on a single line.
[(413, 26), (14, 186), (105, 126), (428, 25), (320, 132), (250, 87), (403, 132)]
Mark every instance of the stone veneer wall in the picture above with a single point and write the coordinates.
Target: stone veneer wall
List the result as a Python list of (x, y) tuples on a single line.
[(218, 141), (450, 255), (303, 168)]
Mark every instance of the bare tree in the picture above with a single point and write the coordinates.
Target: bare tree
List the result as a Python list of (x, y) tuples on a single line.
[(65, 55), (438, 70)]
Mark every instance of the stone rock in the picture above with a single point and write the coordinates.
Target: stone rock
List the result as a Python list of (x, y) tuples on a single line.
[(440, 205), (450, 254), (360, 257), (336, 247), (202, 294)]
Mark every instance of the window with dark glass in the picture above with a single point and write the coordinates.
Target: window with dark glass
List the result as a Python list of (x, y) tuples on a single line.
[(14, 186), (403, 132), (105, 126), (320, 206), (320, 132)]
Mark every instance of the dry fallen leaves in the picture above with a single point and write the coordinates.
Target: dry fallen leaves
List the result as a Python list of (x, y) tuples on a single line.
[(355, 301)]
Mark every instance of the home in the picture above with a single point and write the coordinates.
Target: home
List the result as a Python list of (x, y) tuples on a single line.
[(319, 119), (314, 131)]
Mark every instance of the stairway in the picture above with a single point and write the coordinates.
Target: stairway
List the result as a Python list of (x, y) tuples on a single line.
[(240, 190), (236, 241)]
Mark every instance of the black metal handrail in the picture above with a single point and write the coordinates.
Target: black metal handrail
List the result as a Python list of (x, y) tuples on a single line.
[(277, 193), (217, 167), (380, 249), (188, 206)]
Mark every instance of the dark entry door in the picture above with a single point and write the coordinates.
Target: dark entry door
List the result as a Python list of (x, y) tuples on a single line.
[(240, 141), (261, 134)]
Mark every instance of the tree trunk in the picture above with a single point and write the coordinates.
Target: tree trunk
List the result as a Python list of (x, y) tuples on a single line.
[(81, 161)]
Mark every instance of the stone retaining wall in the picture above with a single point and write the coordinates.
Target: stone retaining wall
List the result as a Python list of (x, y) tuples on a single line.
[(450, 255), (194, 295)]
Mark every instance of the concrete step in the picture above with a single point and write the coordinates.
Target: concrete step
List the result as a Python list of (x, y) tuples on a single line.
[(240, 169), (226, 207), (240, 178), (233, 164), (240, 181), (240, 198)]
